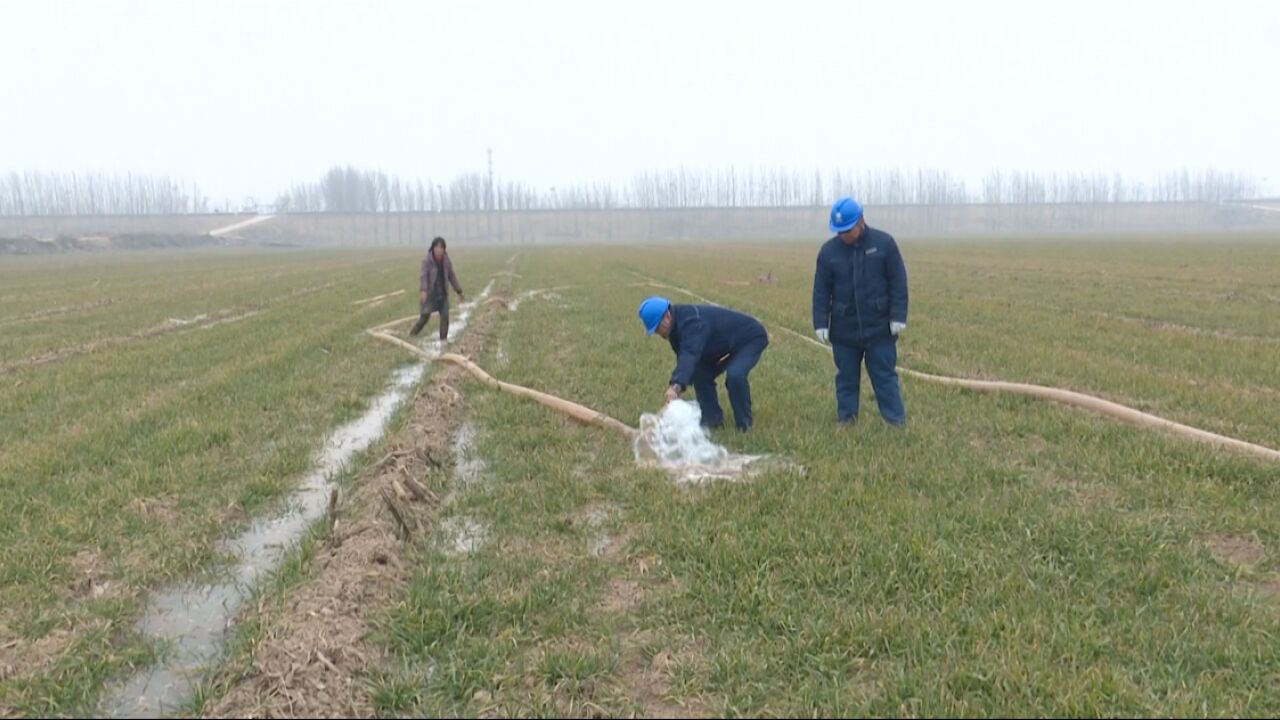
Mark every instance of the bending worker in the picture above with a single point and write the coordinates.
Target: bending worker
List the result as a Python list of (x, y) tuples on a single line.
[(708, 341)]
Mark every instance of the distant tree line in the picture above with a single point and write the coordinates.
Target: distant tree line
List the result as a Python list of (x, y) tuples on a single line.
[(351, 190), (1180, 186), (37, 193)]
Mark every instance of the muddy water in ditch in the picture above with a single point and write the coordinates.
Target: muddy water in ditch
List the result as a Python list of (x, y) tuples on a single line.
[(191, 621)]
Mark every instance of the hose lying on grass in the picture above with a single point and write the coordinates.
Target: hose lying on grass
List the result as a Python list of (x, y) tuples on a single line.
[(393, 323), (376, 298), (1087, 402), (573, 409), (578, 412)]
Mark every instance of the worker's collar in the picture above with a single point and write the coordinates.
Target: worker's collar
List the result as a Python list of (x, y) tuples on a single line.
[(858, 241), (674, 330)]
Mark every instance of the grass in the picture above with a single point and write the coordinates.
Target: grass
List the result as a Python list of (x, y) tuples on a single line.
[(121, 467), (1001, 556)]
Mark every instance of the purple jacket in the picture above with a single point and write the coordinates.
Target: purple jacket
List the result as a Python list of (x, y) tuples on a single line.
[(429, 278)]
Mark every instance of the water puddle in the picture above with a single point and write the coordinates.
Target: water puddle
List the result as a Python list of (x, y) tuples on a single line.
[(229, 320), (550, 294), (456, 324), (463, 536), (596, 518), (191, 621), (188, 321), (470, 470)]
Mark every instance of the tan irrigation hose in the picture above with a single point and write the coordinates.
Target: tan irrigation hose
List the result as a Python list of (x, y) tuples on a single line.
[(573, 409), (393, 323), (578, 412), (379, 297), (1087, 402), (375, 332)]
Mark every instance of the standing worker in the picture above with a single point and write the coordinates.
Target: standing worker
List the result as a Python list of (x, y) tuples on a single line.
[(432, 294), (708, 341), (860, 309)]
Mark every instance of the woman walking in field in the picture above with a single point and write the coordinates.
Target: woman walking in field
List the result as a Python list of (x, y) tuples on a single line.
[(432, 294)]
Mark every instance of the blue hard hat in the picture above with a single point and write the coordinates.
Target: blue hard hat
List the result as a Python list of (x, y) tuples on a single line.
[(651, 312), (845, 214)]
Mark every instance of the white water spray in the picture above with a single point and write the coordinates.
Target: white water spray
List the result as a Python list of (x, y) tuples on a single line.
[(675, 440)]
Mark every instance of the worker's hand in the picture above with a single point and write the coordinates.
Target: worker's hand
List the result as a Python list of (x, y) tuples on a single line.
[(673, 393), (896, 328), (461, 298), (824, 335), (422, 297)]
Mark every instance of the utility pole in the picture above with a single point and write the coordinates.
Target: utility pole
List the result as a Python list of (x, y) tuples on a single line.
[(488, 202)]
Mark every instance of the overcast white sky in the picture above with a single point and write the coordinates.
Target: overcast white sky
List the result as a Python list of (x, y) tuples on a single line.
[(246, 98)]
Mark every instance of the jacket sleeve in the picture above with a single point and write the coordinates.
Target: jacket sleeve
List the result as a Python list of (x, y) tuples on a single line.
[(896, 278), (821, 294), (422, 277), (453, 279), (694, 331)]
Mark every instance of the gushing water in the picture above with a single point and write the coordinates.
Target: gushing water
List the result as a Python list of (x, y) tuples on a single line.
[(675, 440), (550, 294)]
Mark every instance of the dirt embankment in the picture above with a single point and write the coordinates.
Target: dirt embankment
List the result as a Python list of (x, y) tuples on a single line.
[(27, 245)]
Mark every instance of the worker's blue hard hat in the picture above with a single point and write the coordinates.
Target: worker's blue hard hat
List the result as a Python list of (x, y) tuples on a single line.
[(651, 312), (845, 214)]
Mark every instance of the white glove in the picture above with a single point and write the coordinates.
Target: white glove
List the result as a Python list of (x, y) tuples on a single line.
[(823, 335), (896, 328)]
